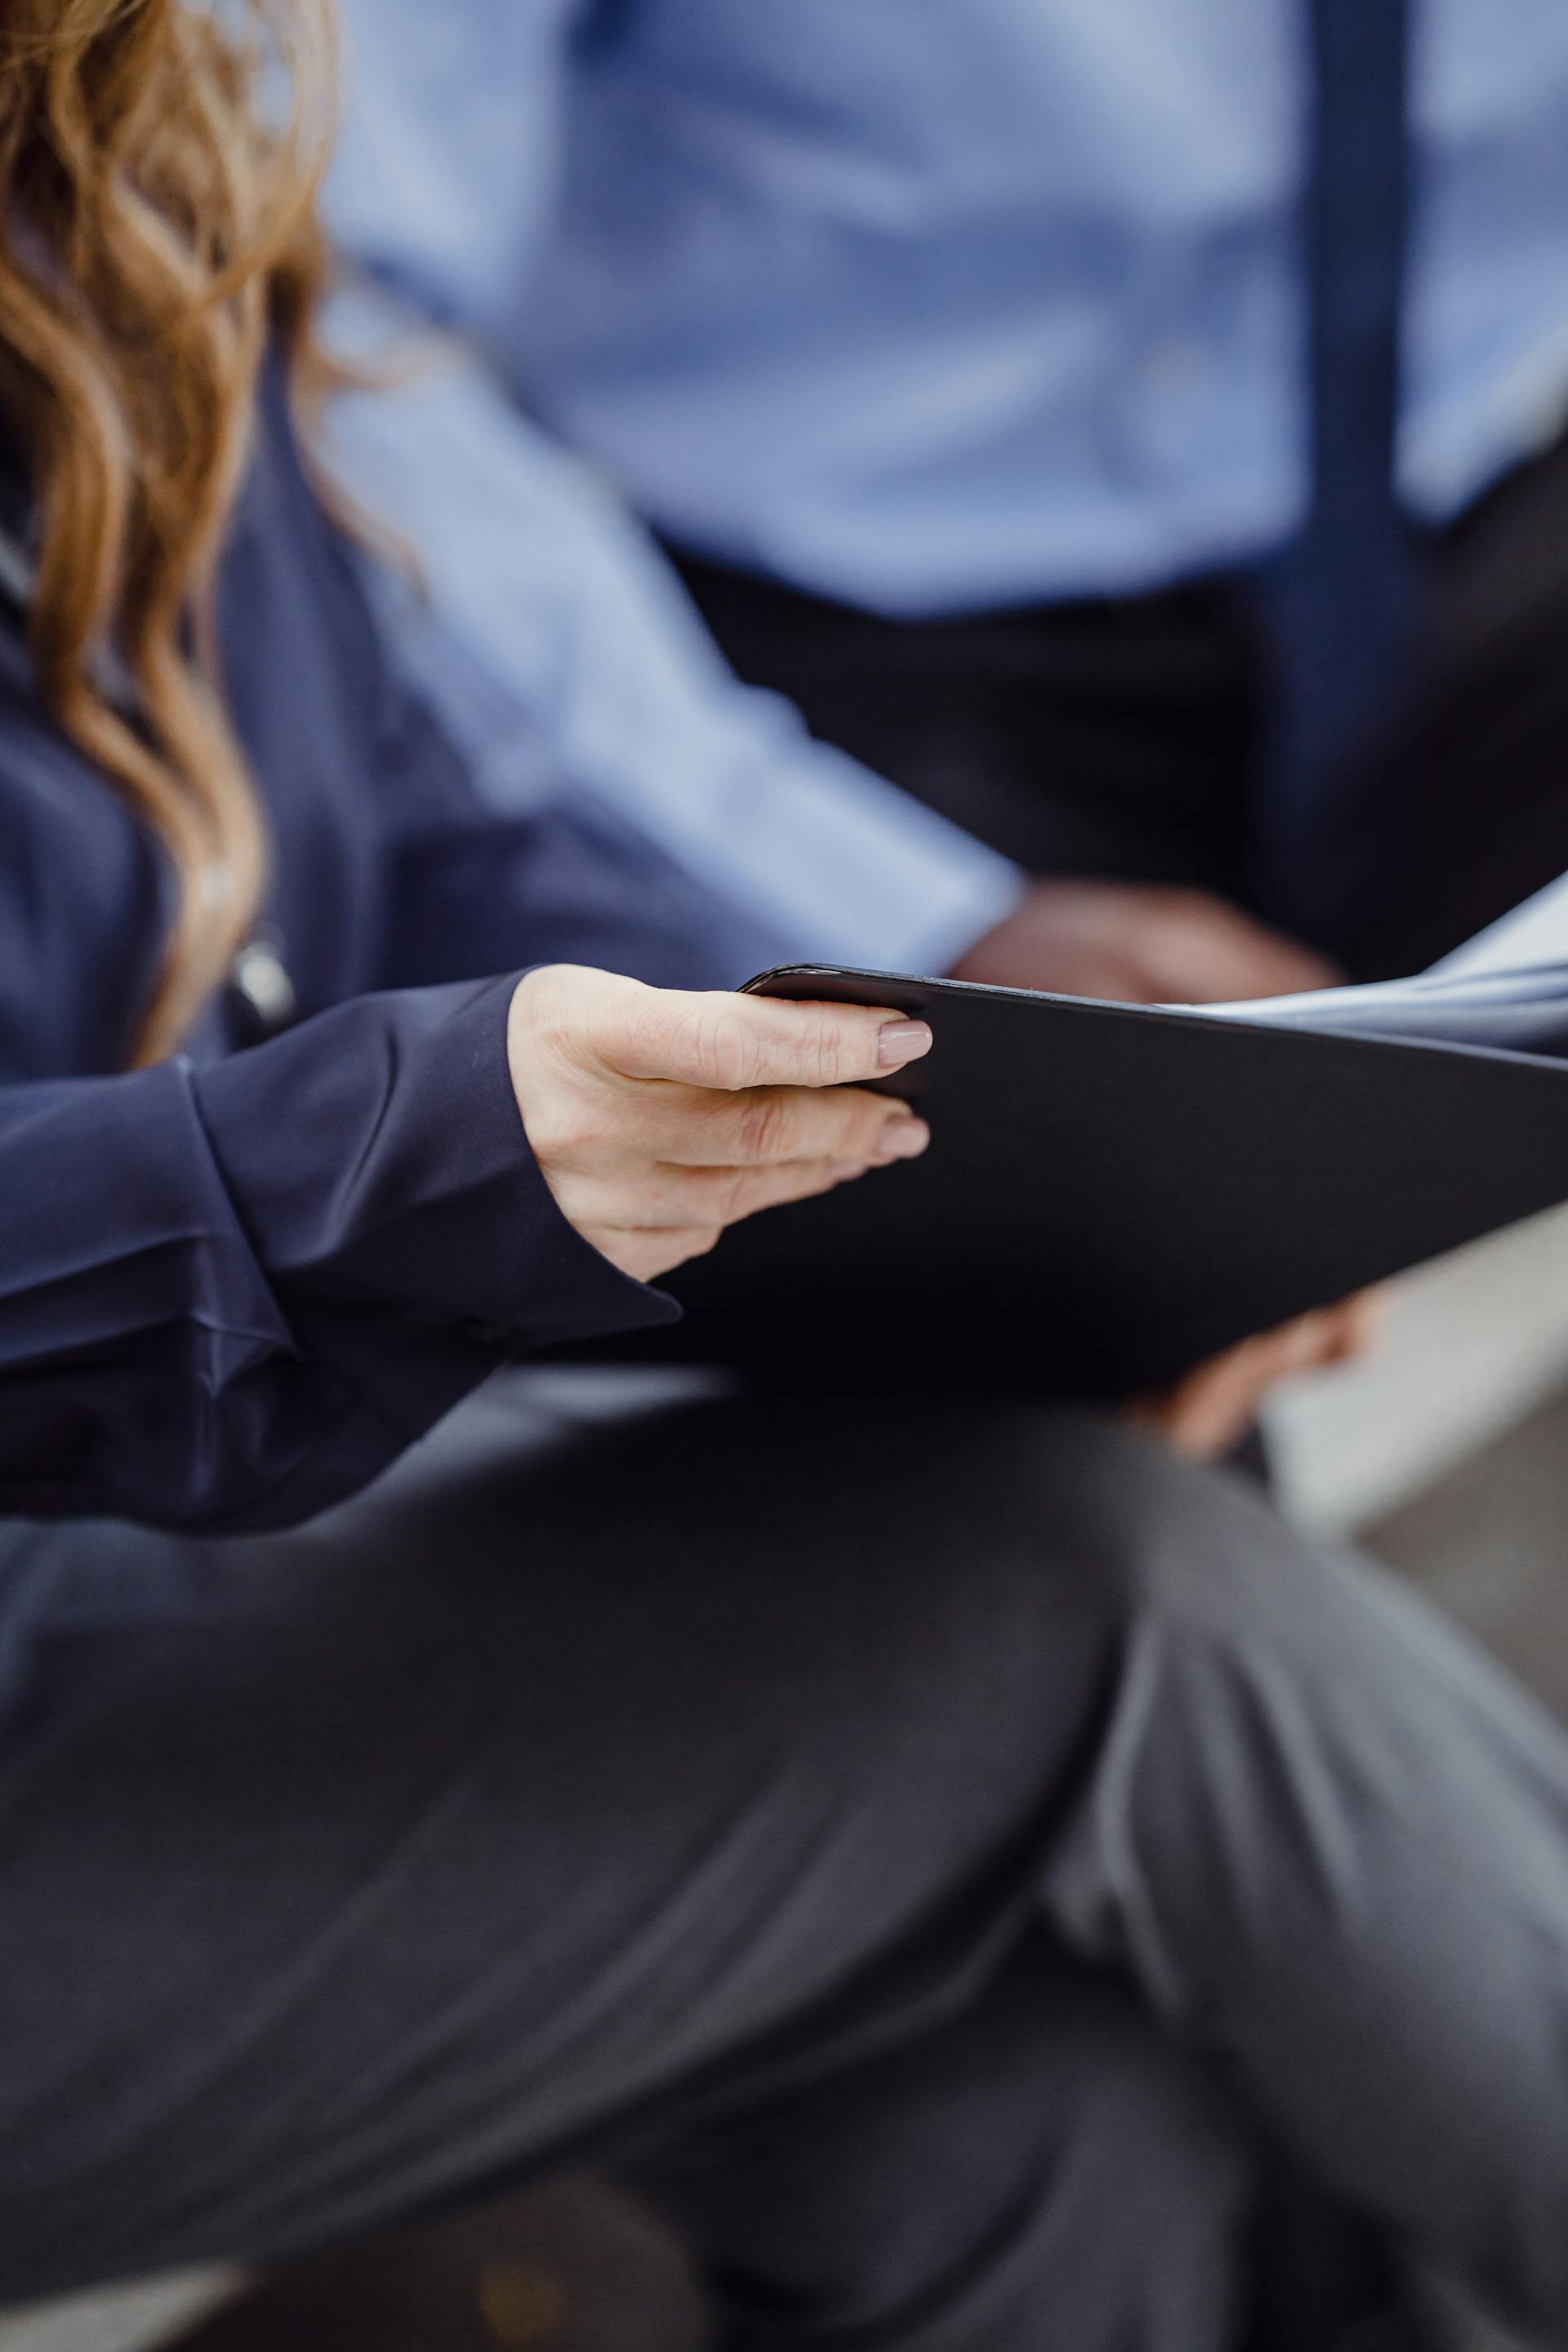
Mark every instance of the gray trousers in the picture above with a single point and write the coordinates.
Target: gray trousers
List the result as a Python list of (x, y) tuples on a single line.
[(950, 1854)]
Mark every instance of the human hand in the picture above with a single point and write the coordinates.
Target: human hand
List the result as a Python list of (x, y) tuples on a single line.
[(1213, 1407), (657, 1118), (1140, 944)]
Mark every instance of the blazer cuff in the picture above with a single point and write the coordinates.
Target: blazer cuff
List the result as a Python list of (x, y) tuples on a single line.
[(376, 1154)]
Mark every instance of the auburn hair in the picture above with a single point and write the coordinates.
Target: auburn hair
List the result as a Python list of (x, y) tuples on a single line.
[(159, 162)]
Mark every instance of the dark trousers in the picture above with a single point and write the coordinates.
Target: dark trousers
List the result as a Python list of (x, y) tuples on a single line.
[(956, 1858), (1121, 738)]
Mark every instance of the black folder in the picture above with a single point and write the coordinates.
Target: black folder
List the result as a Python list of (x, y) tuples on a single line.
[(1113, 1193)]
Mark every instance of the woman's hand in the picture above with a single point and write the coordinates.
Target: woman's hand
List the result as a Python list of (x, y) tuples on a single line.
[(1212, 1409), (659, 1118)]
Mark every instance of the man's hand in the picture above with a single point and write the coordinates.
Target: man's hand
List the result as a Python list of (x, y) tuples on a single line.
[(1209, 1411), (659, 1118), (1135, 944)]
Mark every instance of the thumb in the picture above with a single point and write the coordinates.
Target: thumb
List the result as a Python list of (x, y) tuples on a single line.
[(726, 1043)]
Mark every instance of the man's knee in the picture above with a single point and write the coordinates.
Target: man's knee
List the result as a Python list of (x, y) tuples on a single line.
[(1163, 1541)]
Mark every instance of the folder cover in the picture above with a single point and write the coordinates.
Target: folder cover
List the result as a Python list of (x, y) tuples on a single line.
[(1113, 1193)]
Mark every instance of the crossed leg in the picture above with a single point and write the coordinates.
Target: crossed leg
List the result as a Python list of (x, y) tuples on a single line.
[(616, 1804)]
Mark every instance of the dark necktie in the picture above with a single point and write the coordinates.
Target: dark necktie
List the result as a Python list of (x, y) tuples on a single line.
[(1343, 601)]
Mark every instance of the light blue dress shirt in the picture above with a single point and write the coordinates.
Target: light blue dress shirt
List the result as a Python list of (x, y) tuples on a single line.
[(930, 305)]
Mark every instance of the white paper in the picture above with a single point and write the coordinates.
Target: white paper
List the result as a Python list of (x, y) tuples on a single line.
[(1506, 989), (1535, 933)]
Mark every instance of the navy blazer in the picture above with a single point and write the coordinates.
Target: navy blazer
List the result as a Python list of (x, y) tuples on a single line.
[(234, 1287)]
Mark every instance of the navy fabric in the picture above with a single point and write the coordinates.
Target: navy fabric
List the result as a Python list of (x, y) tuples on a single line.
[(232, 1287), (1343, 603)]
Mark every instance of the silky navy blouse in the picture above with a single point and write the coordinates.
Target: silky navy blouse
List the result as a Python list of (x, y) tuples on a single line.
[(235, 1285)]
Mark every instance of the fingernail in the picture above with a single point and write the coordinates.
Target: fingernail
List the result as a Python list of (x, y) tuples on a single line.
[(903, 1138), (902, 1040)]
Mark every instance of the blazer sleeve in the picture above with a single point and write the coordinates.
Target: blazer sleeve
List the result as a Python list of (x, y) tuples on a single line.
[(230, 1295), (232, 1290)]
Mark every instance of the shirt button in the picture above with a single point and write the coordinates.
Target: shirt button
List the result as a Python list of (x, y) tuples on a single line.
[(261, 978)]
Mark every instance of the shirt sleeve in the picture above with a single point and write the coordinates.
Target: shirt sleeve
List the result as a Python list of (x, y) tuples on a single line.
[(561, 651), (229, 1294), (472, 890)]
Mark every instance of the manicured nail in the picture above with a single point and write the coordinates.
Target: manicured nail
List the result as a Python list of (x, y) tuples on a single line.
[(902, 1040), (903, 1138)]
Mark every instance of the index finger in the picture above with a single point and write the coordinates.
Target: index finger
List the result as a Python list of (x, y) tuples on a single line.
[(729, 1043)]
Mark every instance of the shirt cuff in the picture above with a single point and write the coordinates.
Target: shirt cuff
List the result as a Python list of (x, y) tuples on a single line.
[(937, 925)]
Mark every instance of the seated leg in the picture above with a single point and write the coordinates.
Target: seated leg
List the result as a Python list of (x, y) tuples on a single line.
[(511, 1807)]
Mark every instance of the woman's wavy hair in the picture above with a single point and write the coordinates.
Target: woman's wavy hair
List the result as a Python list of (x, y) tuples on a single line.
[(159, 162)]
